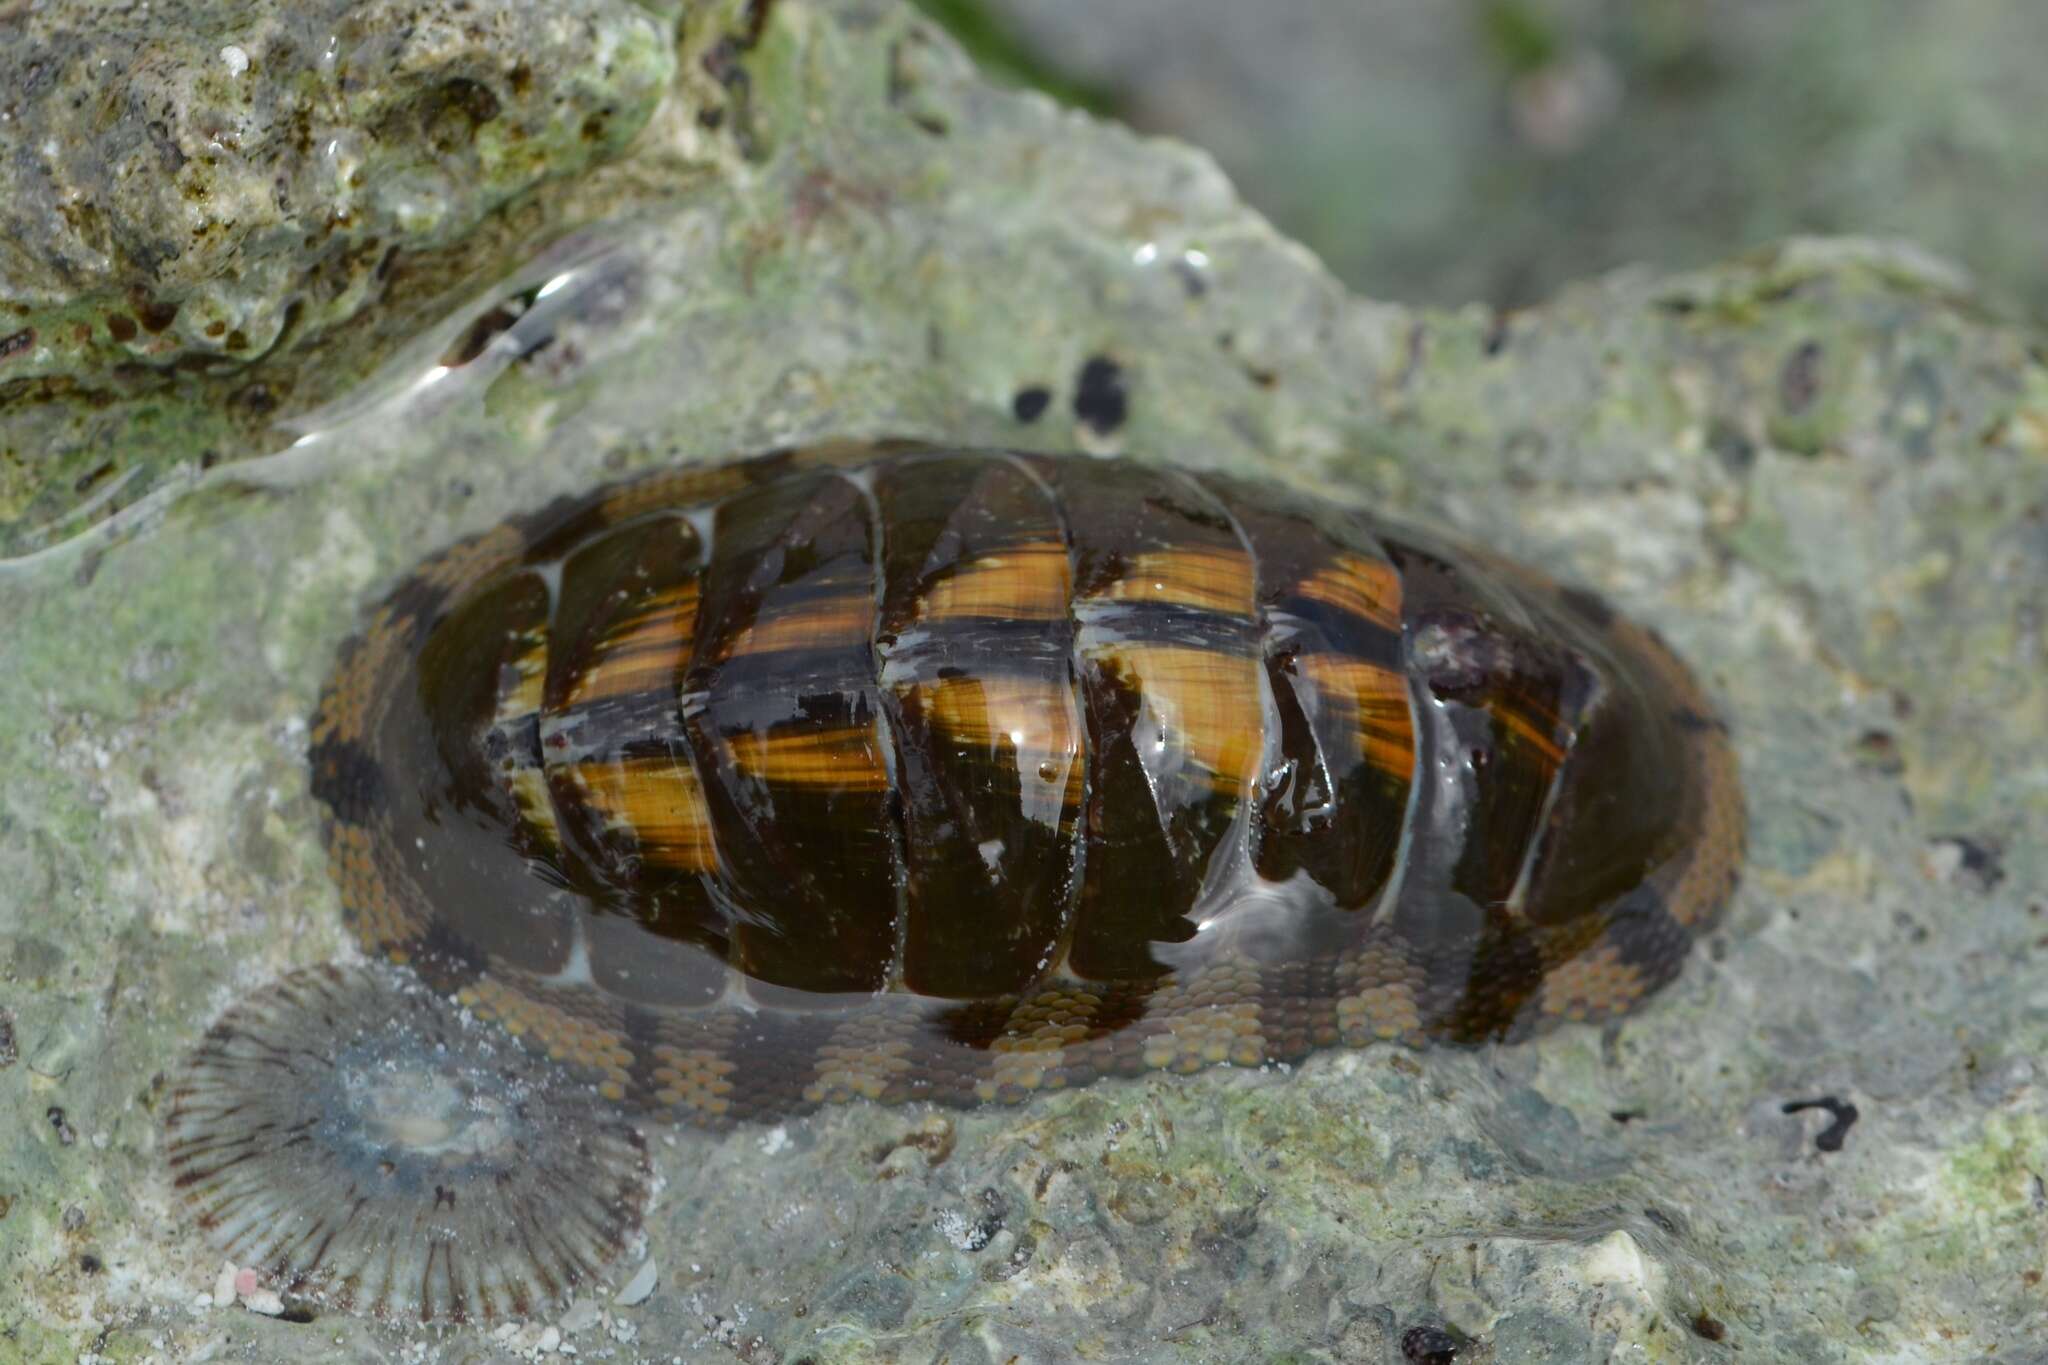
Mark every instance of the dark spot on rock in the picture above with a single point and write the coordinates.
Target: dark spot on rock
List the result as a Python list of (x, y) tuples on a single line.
[(85, 481), (1428, 1346), (983, 1230), (1029, 403), (1981, 863), (298, 1313), (903, 87), (90, 1264), (13, 346), (121, 327), (66, 1134), (1843, 1114), (169, 153), (721, 62), (1496, 338), (1661, 1220), (478, 334), (1048, 1173), (1877, 751), (1707, 1327), (936, 1143), (754, 22), (6, 1203), (455, 111), (238, 340), (1736, 451), (1799, 380), (1100, 399), (711, 118), (156, 316), (9, 1053), (1010, 1266), (1624, 1115)]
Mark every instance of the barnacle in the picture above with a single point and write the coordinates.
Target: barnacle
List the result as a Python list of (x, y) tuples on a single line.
[(357, 1138)]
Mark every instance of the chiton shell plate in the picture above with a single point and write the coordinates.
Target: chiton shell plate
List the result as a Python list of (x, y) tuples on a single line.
[(905, 772)]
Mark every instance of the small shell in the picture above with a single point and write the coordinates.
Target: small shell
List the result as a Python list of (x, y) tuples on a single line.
[(355, 1138)]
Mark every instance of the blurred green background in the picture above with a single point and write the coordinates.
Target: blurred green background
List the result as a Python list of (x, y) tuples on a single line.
[(1444, 151)]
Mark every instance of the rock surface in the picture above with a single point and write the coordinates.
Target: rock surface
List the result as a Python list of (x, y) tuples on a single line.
[(1822, 472), (1500, 149), (198, 196)]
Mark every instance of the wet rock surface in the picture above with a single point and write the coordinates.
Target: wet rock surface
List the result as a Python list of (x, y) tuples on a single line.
[(1500, 149), (1821, 472), (193, 191)]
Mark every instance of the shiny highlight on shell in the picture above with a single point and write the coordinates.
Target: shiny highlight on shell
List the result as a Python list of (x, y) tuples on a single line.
[(368, 1147)]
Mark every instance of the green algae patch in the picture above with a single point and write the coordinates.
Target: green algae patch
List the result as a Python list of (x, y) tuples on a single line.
[(1997, 1176)]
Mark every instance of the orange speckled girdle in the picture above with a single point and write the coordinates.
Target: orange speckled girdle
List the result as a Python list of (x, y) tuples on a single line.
[(903, 773)]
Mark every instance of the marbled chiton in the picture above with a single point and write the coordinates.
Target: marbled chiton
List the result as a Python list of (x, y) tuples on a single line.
[(903, 772)]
